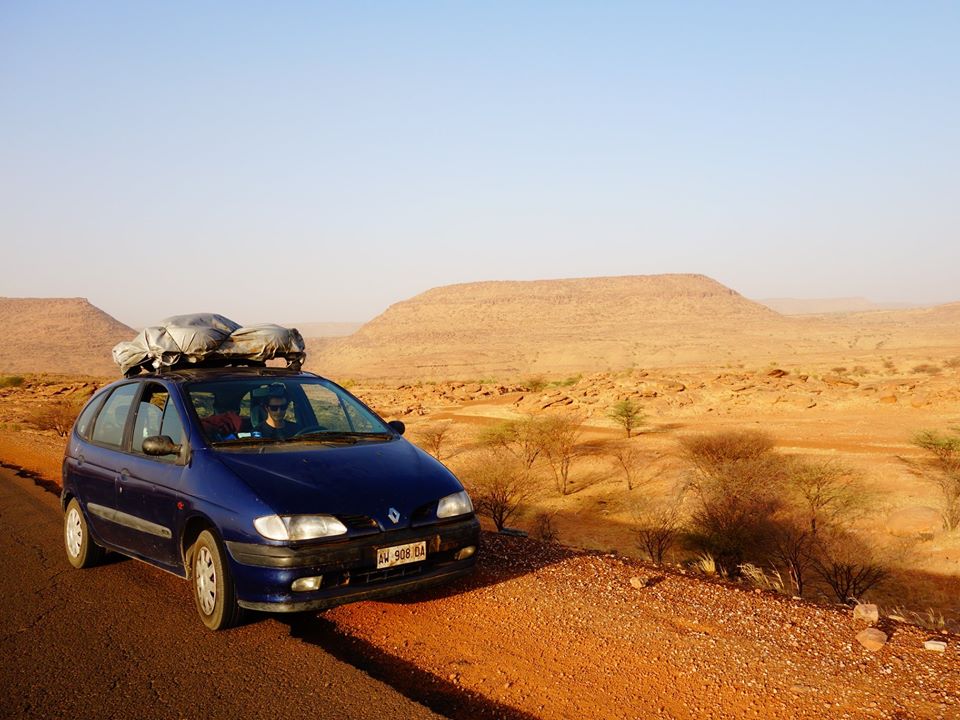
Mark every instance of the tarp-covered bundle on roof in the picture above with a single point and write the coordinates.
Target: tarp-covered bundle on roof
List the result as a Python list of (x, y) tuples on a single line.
[(207, 339)]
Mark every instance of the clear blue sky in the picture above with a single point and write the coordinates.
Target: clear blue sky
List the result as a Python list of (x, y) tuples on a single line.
[(320, 161)]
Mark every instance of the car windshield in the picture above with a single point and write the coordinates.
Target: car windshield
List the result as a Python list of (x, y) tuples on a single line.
[(281, 410)]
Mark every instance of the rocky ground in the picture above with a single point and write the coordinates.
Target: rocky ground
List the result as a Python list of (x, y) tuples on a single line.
[(560, 634)]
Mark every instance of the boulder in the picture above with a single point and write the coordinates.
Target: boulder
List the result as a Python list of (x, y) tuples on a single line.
[(866, 612), (872, 639)]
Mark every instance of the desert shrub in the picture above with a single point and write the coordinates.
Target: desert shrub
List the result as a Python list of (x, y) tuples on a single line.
[(793, 546), (432, 437), (568, 381), (827, 491), (889, 364), (535, 383), (627, 414), (838, 370), (57, 416), (561, 445), (953, 363), (848, 567), (658, 527), (498, 485), (736, 488), (927, 368), (523, 438), (758, 577), (859, 370), (544, 528), (627, 457), (931, 618), (945, 449), (11, 381), (707, 564)]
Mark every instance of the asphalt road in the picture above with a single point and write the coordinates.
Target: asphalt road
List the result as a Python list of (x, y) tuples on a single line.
[(123, 640)]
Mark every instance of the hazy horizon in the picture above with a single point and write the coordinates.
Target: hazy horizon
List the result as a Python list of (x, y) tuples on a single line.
[(320, 162)]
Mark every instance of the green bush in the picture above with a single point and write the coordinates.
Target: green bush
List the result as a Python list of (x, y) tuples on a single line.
[(11, 381)]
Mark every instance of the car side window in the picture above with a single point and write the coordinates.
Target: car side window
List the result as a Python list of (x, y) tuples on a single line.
[(156, 415), (112, 420), (172, 425), (86, 417)]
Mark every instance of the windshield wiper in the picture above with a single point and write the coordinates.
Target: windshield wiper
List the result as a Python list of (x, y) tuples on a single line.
[(347, 437), (245, 441)]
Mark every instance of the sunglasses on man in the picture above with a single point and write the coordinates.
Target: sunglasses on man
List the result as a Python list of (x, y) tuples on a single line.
[(276, 408)]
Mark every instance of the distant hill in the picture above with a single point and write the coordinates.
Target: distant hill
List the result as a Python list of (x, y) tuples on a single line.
[(556, 326), (324, 329), (818, 306), (58, 335)]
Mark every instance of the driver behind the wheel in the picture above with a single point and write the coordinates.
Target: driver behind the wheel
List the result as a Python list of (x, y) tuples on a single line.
[(275, 424)]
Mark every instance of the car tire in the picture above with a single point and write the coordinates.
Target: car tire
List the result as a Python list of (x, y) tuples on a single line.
[(213, 590), (82, 551)]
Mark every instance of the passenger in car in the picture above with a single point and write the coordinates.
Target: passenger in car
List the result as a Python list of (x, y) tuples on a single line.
[(275, 406), (225, 423)]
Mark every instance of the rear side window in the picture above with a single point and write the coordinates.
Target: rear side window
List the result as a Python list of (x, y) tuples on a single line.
[(112, 419), (86, 417)]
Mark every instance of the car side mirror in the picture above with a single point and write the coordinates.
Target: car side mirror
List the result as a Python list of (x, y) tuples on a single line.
[(398, 426), (160, 445)]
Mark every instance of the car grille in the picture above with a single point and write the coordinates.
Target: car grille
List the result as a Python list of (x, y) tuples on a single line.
[(359, 524)]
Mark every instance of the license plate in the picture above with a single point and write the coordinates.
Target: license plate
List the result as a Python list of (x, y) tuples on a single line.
[(401, 554)]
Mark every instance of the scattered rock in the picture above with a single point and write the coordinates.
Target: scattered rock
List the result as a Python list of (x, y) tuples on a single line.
[(888, 399), (866, 612), (777, 373), (672, 386), (639, 582), (839, 380), (935, 645), (872, 639)]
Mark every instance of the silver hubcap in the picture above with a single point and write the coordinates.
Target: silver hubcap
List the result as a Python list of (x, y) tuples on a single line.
[(206, 580), (74, 533)]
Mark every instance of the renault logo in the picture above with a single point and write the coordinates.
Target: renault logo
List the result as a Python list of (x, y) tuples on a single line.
[(393, 515)]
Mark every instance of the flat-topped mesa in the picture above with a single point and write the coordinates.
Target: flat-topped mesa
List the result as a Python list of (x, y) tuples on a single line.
[(548, 326), (545, 305), (57, 335)]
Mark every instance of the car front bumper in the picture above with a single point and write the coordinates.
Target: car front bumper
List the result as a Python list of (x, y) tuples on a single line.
[(263, 574)]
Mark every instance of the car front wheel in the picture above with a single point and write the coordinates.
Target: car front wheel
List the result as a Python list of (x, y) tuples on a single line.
[(82, 551), (213, 589)]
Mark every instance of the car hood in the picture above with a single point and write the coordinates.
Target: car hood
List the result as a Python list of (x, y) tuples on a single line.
[(368, 478)]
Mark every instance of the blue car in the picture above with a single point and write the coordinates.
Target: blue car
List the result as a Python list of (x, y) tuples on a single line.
[(268, 489)]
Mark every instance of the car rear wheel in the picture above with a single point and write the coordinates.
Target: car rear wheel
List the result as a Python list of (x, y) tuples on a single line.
[(82, 551), (213, 589)]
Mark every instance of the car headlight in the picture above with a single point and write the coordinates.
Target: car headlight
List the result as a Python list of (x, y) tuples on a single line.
[(453, 505), (298, 527)]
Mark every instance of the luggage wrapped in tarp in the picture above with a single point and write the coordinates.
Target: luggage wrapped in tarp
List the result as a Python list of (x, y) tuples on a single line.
[(207, 339)]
